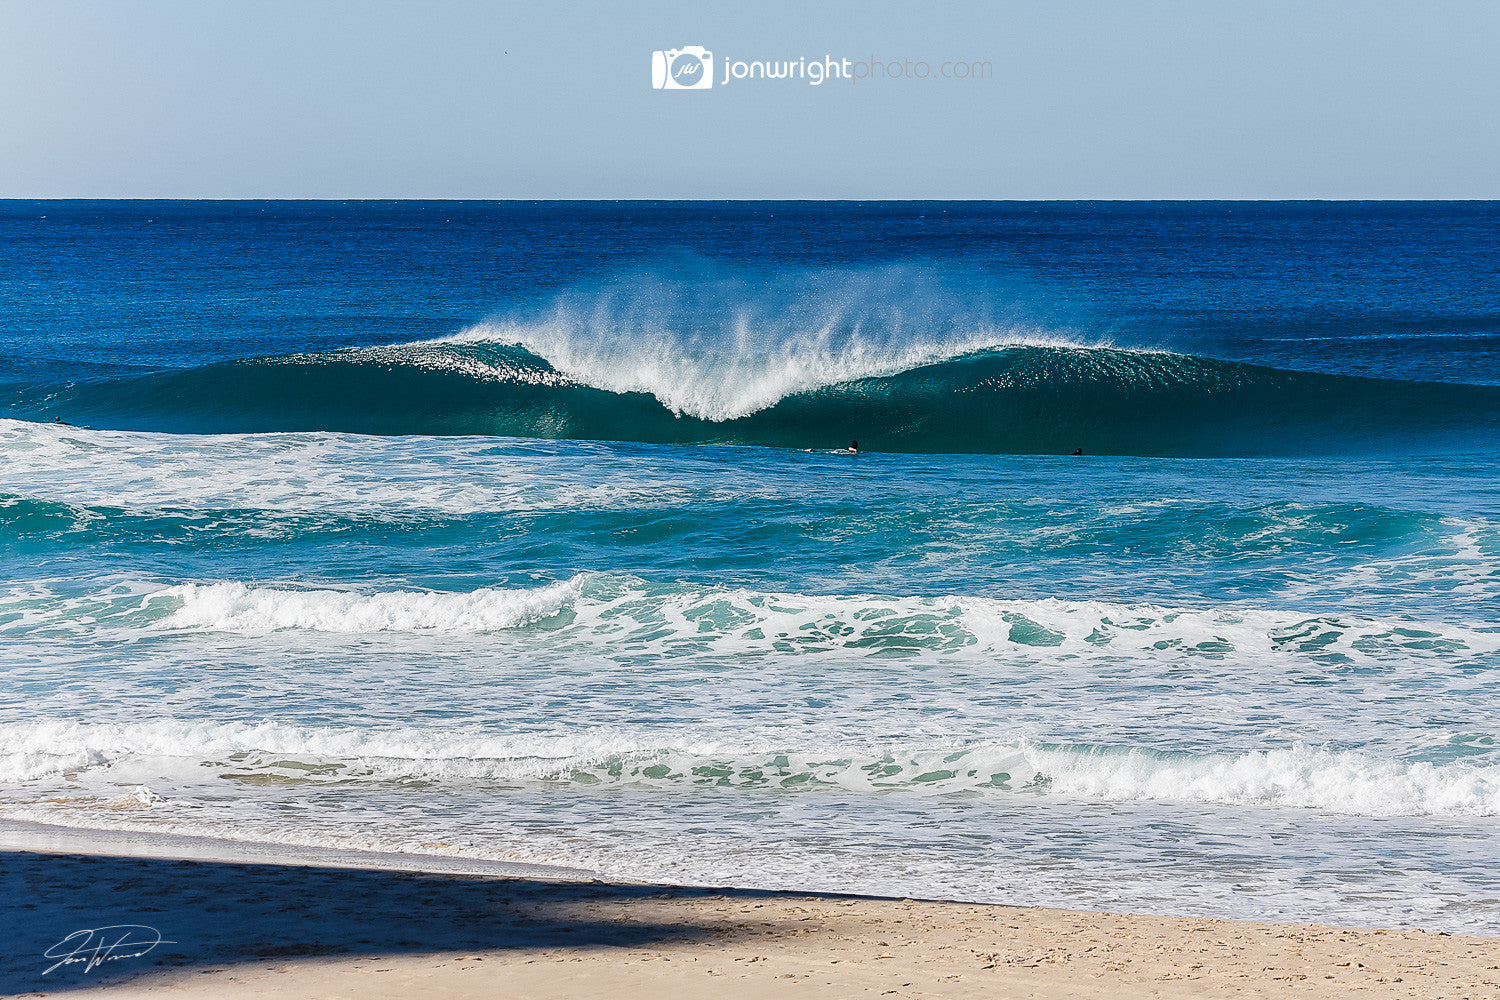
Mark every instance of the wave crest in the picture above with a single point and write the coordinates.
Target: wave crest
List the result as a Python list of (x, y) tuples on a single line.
[(720, 348), (235, 607), (893, 357), (616, 615), (1347, 782)]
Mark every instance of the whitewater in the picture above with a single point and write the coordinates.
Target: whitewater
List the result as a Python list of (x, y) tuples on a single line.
[(528, 538)]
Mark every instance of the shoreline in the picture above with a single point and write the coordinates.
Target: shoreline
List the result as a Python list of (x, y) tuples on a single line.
[(47, 838), (281, 921)]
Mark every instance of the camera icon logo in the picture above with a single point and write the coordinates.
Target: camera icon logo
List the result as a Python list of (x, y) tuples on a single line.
[(688, 68)]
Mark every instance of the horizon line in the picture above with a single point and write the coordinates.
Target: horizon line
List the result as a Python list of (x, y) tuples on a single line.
[(825, 201)]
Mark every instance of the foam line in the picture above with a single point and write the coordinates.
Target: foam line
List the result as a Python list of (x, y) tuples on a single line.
[(1364, 783)]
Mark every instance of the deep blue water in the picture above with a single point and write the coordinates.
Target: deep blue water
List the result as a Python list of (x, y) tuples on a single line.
[(519, 530)]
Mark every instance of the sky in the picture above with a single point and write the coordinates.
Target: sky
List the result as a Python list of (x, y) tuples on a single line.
[(326, 99)]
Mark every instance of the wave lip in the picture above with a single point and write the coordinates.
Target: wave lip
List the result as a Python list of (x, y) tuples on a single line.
[(721, 387), (718, 346)]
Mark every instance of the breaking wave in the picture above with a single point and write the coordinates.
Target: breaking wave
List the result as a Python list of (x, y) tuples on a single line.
[(1022, 399), (1303, 777), (617, 615), (889, 357)]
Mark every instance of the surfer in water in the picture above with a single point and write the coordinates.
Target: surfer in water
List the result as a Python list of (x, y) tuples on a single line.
[(853, 449), (1078, 451)]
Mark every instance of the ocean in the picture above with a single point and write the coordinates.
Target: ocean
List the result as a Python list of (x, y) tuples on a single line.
[(526, 532)]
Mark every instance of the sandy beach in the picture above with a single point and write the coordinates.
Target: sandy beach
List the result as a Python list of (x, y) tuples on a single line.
[(301, 927)]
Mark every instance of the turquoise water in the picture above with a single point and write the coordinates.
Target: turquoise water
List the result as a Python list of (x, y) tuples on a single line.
[(505, 537)]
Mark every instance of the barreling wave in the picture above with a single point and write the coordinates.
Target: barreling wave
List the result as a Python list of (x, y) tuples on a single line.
[(1022, 398), (1298, 776)]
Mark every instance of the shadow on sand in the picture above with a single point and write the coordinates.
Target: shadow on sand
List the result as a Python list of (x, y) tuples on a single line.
[(222, 914)]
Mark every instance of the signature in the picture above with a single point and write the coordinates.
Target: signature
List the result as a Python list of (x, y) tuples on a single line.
[(93, 947)]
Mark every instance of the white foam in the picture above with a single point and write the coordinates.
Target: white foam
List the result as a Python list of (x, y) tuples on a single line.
[(36, 749), (1348, 782), (315, 474), (630, 614), (612, 615), (235, 607), (1341, 781)]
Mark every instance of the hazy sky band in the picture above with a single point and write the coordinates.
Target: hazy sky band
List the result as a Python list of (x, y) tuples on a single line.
[(484, 100)]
